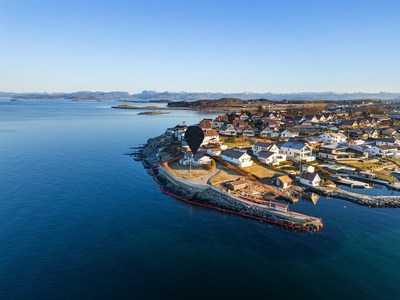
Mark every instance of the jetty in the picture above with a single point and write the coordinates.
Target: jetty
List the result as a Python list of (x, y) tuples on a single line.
[(349, 182)]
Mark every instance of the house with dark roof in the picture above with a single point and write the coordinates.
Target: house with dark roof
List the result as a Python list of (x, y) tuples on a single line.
[(228, 129), (238, 158), (372, 133), (388, 141), (310, 179), (248, 131), (268, 157), (289, 132), (385, 151), (358, 134), (196, 160), (350, 124), (268, 132), (334, 151), (298, 119), (260, 146)]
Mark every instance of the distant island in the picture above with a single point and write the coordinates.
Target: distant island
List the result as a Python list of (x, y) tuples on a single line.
[(153, 113), (127, 106)]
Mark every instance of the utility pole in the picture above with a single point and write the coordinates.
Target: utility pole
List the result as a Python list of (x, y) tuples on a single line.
[(190, 166)]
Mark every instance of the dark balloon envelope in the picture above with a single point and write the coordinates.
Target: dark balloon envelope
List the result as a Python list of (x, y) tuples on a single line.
[(194, 137)]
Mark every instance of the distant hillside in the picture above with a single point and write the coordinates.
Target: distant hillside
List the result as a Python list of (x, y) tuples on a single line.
[(187, 96)]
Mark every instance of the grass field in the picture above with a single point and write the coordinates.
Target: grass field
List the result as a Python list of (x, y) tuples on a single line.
[(396, 160), (225, 174), (240, 144), (183, 171), (365, 165), (386, 177), (262, 171)]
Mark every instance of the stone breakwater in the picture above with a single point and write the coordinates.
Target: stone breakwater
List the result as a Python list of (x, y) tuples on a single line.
[(367, 200), (212, 196)]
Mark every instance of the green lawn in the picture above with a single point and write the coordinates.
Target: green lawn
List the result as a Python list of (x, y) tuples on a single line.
[(386, 177), (240, 144), (365, 165), (396, 160)]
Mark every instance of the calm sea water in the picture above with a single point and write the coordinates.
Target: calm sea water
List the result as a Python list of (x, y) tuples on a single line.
[(80, 220)]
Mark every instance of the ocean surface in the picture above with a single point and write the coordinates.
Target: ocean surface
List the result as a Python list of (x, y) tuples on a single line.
[(80, 220)]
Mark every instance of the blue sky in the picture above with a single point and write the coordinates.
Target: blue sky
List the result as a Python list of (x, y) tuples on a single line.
[(198, 46)]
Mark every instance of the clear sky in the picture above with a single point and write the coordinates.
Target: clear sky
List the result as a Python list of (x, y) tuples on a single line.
[(199, 46)]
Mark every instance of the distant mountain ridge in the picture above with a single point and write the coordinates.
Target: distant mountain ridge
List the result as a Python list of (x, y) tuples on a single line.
[(167, 95)]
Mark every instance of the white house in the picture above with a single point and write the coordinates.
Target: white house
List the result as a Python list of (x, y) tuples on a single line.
[(390, 151), (260, 146), (297, 151), (238, 158), (248, 131), (243, 116), (388, 141), (289, 132), (268, 132), (268, 157), (210, 137), (197, 160), (332, 138), (310, 179), (308, 168), (228, 129)]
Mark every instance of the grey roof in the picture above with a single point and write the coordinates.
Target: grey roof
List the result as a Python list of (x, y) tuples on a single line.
[(308, 176), (265, 154), (335, 146), (261, 144), (294, 145), (233, 153), (386, 140)]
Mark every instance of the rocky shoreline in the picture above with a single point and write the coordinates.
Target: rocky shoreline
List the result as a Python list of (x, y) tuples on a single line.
[(149, 154)]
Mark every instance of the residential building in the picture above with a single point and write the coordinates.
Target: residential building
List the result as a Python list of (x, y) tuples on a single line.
[(211, 137), (310, 179), (228, 129), (260, 146), (350, 124), (332, 138), (267, 132), (219, 121), (197, 159), (248, 131), (334, 151), (206, 124), (268, 157), (238, 158), (386, 151), (388, 141), (389, 131), (297, 151), (284, 182), (306, 128), (289, 132), (214, 151)]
